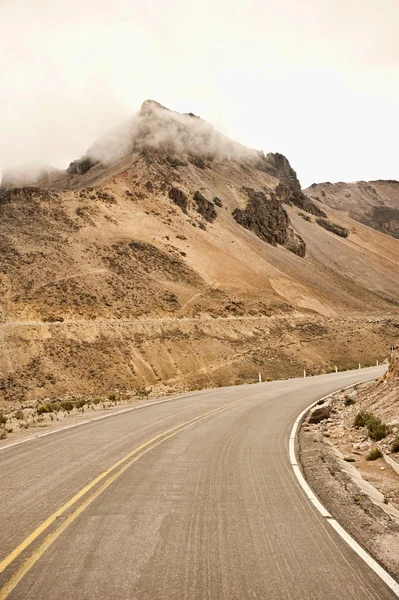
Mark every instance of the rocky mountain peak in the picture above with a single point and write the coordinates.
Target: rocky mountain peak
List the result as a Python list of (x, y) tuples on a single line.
[(283, 169)]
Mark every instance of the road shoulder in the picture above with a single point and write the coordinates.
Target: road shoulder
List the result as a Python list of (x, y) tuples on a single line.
[(347, 502)]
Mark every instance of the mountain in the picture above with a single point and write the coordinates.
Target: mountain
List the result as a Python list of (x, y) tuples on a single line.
[(374, 203), (172, 257)]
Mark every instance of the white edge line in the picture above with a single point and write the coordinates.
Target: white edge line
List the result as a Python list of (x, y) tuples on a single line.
[(118, 412), (373, 564)]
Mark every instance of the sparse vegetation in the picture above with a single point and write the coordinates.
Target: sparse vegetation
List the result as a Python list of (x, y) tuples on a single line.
[(333, 227), (142, 391), (3, 419), (361, 419), (374, 454), (19, 415), (48, 407), (349, 401), (395, 444), (349, 459), (376, 428)]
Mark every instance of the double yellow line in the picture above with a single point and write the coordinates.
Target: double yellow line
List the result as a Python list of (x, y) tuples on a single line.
[(106, 479)]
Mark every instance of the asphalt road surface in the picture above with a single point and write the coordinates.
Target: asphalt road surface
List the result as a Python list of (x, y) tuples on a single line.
[(193, 499)]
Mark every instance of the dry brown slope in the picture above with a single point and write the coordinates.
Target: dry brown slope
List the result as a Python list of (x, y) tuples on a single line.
[(168, 288), (375, 203)]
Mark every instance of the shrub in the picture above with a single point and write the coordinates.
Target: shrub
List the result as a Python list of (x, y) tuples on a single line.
[(361, 419), (3, 419), (349, 459), (112, 397), (395, 444), (80, 403), (349, 401), (3, 434), (19, 414), (376, 428), (96, 400), (142, 391), (48, 407), (66, 405), (374, 454)]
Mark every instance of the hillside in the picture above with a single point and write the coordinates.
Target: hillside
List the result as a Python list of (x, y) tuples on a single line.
[(374, 203), (170, 256)]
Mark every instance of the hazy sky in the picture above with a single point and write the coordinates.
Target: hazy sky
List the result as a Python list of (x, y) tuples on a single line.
[(316, 80)]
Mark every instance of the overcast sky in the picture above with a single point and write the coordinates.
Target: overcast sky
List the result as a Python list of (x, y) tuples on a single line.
[(316, 80)]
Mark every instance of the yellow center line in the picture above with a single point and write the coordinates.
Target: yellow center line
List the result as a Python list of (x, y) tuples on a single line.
[(125, 463)]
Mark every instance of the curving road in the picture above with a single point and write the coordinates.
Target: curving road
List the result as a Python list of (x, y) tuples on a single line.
[(190, 499)]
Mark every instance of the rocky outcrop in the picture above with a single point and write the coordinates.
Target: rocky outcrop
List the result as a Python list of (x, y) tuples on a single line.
[(289, 189), (373, 203), (291, 195), (319, 413), (266, 217), (205, 208), (179, 198), (282, 170), (333, 227), (81, 166)]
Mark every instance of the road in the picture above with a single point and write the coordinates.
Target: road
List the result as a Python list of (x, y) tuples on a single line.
[(190, 499)]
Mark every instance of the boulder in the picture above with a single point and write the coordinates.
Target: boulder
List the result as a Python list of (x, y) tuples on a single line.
[(319, 413)]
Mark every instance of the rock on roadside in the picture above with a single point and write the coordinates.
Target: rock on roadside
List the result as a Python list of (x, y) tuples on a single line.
[(319, 413)]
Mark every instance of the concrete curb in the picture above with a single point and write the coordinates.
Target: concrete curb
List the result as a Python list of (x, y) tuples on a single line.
[(392, 463)]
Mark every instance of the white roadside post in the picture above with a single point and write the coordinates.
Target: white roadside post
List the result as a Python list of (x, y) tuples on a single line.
[(304, 373), (336, 369), (260, 378)]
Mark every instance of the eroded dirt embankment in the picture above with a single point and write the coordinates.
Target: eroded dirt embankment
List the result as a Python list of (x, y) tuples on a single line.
[(40, 360)]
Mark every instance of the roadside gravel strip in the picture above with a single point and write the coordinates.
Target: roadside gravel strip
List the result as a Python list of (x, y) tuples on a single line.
[(293, 442), (60, 428)]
